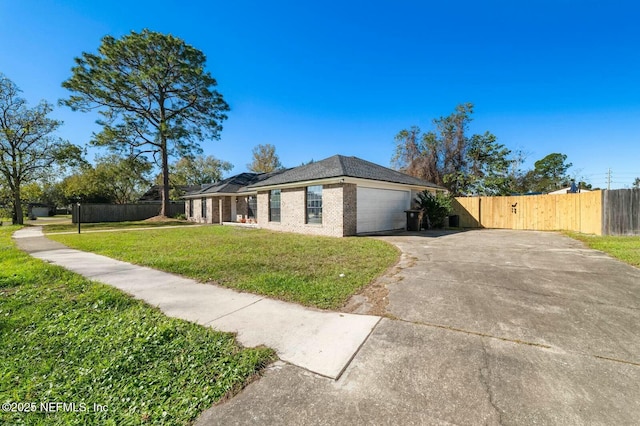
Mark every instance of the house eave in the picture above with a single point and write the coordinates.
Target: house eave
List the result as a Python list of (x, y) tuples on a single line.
[(383, 183), (345, 179), (219, 194)]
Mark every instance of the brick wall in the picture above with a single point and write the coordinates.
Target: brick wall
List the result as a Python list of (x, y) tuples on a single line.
[(338, 213), (241, 207), (339, 210), (212, 211), (226, 209), (196, 214), (350, 209)]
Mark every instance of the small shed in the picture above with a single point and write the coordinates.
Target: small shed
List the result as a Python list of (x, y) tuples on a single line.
[(39, 210)]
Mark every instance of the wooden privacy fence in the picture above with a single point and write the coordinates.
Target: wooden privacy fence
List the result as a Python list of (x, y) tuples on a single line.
[(621, 212), (615, 212), (91, 213), (572, 212)]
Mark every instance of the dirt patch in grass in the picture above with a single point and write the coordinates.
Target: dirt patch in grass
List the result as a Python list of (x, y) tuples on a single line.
[(374, 298), (162, 219)]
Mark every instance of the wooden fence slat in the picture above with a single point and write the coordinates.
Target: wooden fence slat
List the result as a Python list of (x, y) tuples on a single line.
[(621, 212)]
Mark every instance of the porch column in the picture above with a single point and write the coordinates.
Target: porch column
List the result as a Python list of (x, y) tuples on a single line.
[(234, 211)]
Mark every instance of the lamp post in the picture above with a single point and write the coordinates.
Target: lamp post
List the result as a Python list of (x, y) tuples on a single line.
[(79, 216)]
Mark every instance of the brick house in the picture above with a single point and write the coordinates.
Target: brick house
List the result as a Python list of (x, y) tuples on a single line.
[(337, 196)]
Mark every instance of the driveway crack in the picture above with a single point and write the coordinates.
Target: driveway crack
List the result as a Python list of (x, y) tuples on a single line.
[(485, 378), (554, 296), (470, 332)]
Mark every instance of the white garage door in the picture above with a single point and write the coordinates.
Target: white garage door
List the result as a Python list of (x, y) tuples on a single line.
[(382, 209)]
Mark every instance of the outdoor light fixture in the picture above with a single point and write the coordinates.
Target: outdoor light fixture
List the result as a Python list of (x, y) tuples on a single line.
[(79, 221)]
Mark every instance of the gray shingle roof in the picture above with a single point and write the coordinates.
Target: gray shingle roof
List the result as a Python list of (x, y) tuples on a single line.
[(234, 184), (338, 166)]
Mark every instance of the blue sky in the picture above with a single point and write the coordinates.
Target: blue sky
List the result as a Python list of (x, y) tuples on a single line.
[(322, 78)]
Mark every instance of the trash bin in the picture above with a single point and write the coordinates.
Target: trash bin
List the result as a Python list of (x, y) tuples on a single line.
[(413, 220), (454, 221)]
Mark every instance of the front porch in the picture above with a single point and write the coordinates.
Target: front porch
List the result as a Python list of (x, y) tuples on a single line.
[(223, 209)]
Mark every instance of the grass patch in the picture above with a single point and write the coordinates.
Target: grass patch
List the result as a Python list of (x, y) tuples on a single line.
[(73, 227), (314, 271), (67, 339), (625, 248)]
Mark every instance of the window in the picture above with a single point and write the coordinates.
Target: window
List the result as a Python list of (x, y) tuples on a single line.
[(252, 207), (274, 205), (314, 204), (191, 207), (203, 202)]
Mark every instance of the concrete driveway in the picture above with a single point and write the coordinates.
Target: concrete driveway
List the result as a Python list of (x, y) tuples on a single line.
[(483, 327)]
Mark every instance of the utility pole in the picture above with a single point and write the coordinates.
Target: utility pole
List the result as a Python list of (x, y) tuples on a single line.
[(609, 179)]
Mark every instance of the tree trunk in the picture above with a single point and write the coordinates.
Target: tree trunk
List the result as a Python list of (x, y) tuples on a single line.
[(165, 179), (18, 216)]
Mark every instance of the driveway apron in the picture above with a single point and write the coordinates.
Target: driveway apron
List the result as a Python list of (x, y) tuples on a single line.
[(531, 287), (484, 327)]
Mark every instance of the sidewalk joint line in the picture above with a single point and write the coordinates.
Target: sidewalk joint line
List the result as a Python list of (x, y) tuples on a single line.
[(348, 363), (233, 312)]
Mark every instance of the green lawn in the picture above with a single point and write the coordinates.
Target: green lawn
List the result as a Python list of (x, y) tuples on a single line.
[(66, 339), (314, 271), (626, 248), (73, 227)]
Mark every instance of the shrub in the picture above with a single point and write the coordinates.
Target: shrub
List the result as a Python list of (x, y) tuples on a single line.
[(435, 208)]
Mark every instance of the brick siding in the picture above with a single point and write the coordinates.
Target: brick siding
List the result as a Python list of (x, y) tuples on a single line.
[(212, 211), (338, 211)]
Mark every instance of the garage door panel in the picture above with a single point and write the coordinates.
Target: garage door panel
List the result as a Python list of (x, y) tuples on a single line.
[(381, 209)]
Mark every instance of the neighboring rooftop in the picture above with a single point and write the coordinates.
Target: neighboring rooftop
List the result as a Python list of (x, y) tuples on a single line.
[(338, 166), (155, 192)]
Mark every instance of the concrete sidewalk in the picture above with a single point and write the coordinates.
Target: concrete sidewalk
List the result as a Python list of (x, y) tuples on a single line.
[(319, 341)]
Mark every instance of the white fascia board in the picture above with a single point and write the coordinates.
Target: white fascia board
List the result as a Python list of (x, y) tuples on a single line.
[(217, 194), (368, 183), (327, 181), (379, 184)]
